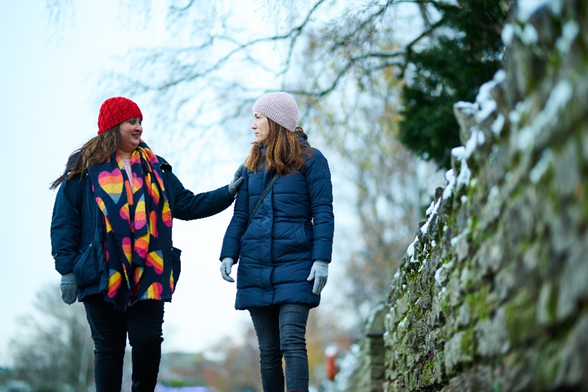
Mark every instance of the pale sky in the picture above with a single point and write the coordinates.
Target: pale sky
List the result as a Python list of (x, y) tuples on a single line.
[(48, 108)]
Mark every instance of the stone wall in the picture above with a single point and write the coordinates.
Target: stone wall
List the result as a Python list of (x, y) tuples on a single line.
[(493, 292)]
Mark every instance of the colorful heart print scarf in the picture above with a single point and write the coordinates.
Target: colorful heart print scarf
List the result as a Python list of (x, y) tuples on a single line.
[(138, 225)]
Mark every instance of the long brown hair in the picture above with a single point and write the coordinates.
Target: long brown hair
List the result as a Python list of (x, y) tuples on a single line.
[(96, 150), (284, 151)]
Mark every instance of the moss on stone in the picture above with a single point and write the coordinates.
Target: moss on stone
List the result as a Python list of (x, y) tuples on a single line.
[(497, 386), (521, 318), (547, 361), (552, 302), (479, 303), (468, 343), (427, 376)]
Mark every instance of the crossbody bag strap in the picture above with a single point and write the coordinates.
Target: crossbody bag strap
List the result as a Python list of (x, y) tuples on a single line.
[(263, 194)]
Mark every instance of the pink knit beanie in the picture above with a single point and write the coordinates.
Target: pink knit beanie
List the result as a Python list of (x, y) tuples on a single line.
[(116, 111), (279, 107)]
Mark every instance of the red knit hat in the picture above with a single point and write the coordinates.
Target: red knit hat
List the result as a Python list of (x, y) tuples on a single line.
[(115, 111)]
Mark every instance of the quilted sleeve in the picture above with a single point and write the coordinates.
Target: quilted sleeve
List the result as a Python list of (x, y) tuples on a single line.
[(232, 239), (66, 225), (320, 189)]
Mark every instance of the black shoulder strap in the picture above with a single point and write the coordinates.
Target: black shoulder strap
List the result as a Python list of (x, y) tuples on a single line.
[(263, 194)]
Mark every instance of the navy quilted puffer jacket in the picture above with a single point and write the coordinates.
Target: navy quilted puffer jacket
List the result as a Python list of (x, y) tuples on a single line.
[(77, 227), (293, 227)]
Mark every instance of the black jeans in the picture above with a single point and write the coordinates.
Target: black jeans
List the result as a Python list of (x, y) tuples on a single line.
[(281, 331), (143, 323)]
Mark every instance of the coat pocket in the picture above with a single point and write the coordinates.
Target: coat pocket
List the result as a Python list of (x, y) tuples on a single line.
[(304, 236), (176, 265), (86, 267)]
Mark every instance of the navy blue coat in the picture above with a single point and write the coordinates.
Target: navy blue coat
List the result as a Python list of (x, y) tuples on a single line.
[(77, 228), (293, 227)]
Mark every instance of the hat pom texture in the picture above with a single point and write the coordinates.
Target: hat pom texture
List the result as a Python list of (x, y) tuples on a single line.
[(279, 107), (115, 111)]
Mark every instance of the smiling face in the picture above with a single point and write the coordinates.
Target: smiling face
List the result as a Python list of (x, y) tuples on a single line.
[(130, 136), (260, 126)]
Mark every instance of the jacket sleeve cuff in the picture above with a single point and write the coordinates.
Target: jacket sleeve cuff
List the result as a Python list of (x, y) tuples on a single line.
[(63, 265)]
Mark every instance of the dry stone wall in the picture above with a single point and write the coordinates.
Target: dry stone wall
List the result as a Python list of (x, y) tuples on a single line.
[(493, 292)]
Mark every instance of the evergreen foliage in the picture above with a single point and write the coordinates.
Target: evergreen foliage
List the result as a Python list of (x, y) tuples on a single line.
[(465, 52)]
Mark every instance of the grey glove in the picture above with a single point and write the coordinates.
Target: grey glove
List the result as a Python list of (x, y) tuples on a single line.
[(69, 288), (319, 273), (226, 266), (236, 181)]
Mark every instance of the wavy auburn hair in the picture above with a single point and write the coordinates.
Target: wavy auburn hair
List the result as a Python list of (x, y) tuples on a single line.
[(96, 150), (284, 152)]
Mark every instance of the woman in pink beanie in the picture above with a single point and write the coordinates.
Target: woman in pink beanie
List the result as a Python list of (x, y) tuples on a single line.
[(281, 234), (111, 239)]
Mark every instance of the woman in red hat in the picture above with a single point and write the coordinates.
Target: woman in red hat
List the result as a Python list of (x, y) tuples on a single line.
[(111, 238)]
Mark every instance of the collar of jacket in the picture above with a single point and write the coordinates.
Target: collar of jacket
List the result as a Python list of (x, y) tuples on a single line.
[(301, 138), (165, 166)]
